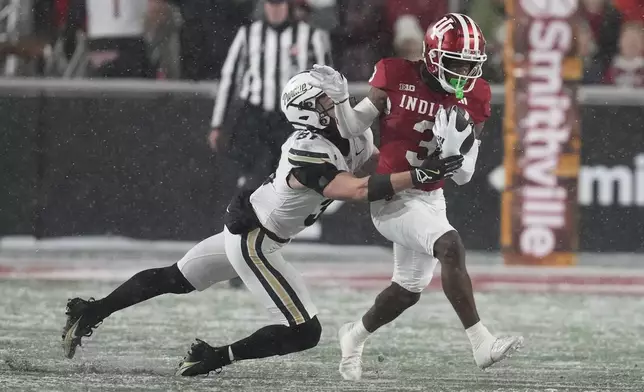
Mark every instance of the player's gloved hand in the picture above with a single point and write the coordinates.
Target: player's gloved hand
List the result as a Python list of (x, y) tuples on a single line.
[(433, 170), (332, 82), (450, 138)]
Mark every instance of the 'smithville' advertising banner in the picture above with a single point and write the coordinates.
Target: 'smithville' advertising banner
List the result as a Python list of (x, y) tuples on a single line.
[(542, 133)]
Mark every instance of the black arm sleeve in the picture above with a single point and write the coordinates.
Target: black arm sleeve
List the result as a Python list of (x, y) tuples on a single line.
[(315, 176)]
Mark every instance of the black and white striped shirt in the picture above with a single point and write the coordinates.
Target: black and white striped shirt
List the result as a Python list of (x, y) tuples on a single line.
[(262, 59)]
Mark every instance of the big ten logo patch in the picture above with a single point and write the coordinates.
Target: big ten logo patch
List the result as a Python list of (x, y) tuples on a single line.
[(407, 87)]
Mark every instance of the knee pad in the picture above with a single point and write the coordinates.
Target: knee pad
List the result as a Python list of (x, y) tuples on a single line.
[(307, 335)]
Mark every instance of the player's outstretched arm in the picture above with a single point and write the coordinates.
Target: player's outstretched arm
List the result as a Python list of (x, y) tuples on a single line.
[(345, 186), (354, 121)]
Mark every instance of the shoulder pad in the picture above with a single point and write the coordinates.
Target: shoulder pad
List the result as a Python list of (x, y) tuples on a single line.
[(383, 73), (386, 71), (478, 101)]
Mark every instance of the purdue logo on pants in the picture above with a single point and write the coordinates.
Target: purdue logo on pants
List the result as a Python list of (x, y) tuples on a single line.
[(269, 277)]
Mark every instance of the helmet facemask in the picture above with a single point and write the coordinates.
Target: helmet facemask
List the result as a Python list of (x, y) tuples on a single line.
[(321, 106), (451, 81)]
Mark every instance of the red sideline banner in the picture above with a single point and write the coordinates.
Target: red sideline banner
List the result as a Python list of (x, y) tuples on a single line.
[(542, 133)]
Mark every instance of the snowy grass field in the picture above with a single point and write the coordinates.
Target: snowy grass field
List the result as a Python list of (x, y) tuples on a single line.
[(573, 342)]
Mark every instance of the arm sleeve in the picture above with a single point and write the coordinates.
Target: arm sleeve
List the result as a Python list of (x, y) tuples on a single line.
[(464, 174), (354, 121), (226, 84), (372, 149)]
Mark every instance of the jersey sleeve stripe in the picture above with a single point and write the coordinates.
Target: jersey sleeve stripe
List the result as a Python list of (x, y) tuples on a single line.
[(299, 160), (311, 154)]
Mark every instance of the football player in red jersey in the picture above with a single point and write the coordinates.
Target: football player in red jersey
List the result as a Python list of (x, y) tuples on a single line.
[(409, 99)]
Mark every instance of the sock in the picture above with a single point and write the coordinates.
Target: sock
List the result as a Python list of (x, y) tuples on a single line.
[(224, 356), (141, 287), (277, 340), (478, 334), (265, 342), (359, 332)]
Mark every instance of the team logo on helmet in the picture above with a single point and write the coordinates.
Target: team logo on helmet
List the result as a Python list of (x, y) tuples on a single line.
[(441, 27), (295, 92)]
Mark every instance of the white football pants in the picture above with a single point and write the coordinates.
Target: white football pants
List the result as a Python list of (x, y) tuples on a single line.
[(413, 220), (258, 261)]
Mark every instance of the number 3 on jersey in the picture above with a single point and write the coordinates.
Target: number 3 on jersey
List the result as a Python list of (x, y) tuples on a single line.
[(415, 159), (311, 219)]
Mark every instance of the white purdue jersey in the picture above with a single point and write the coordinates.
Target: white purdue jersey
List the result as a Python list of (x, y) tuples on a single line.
[(116, 18), (286, 211)]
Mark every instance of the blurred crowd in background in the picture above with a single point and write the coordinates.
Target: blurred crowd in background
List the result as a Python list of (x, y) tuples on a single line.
[(189, 39)]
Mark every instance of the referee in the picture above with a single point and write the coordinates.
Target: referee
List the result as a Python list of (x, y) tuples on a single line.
[(264, 55)]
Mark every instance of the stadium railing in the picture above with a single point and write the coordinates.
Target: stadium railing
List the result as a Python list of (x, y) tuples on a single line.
[(589, 95)]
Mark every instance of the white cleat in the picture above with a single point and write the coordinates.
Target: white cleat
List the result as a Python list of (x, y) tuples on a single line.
[(495, 350), (351, 363)]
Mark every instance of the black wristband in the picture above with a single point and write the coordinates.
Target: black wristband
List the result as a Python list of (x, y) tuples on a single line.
[(379, 187)]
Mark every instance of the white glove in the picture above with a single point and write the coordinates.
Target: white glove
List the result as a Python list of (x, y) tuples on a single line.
[(331, 82), (448, 137)]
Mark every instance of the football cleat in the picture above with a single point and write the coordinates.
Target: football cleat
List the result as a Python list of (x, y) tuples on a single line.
[(78, 325), (351, 363), (201, 359), (495, 351)]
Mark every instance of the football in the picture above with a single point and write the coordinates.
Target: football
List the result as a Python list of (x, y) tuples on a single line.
[(463, 119)]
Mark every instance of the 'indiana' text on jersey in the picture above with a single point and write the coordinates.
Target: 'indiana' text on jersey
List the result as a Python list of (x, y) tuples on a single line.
[(419, 105)]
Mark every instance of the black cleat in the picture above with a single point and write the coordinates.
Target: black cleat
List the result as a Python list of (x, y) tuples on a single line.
[(78, 325), (202, 359)]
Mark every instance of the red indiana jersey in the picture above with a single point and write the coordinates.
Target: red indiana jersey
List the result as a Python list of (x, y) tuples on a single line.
[(406, 136)]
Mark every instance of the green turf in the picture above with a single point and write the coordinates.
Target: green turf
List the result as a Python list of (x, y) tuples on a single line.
[(573, 343)]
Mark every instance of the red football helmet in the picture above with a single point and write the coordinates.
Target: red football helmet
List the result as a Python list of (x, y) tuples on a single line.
[(454, 38)]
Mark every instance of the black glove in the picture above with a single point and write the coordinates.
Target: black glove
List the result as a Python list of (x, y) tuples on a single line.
[(434, 170)]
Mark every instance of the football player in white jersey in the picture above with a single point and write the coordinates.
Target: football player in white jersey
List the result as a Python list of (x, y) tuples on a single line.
[(317, 166)]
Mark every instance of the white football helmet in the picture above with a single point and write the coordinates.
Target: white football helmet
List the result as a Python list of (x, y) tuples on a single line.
[(301, 104)]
